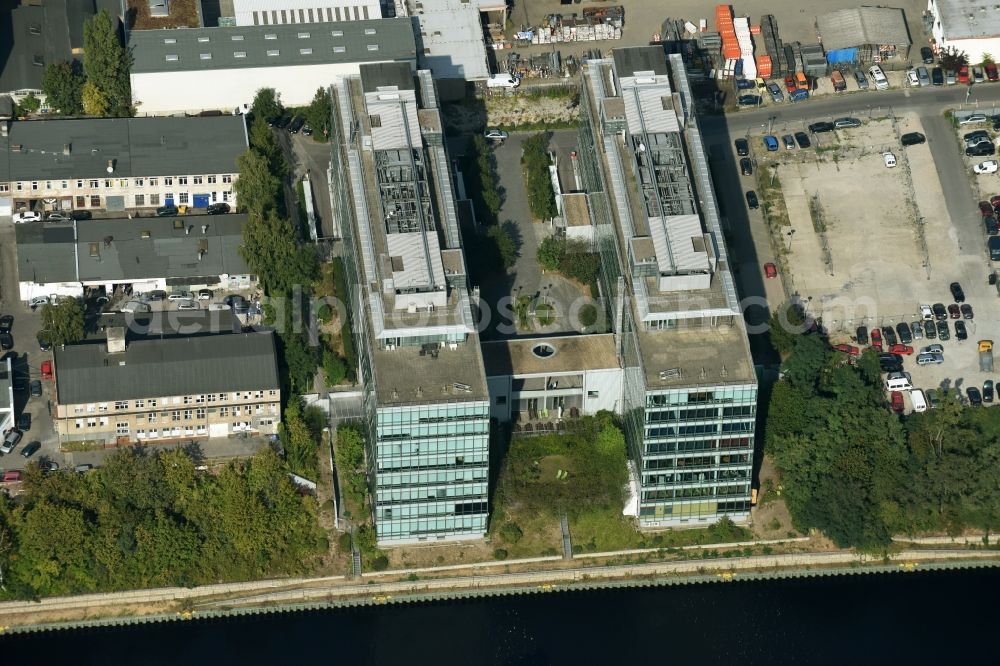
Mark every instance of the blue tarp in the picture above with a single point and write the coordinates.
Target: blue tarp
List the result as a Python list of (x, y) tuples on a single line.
[(841, 55)]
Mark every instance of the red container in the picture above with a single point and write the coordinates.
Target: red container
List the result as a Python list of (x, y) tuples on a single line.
[(764, 67), (755, 30)]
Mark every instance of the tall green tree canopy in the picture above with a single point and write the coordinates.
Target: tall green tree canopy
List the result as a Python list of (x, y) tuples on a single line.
[(267, 105), (107, 63), (62, 321), (62, 84)]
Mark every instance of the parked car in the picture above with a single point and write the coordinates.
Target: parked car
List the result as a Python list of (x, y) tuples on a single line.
[(188, 305), (862, 335), (923, 77), (802, 139), (24, 422), (752, 202), (862, 82), (746, 168), (937, 76), (180, 296), (6, 341), (942, 330), (26, 216), (166, 211), (975, 137), (932, 349), (750, 100), (823, 126), (220, 208), (876, 336), (889, 335), (930, 331), (953, 311), (10, 440), (35, 388), (956, 292), (927, 55), (847, 122), (889, 159), (81, 215), (940, 312), (770, 271), (988, 390), (974, 396), (950, 78), (985, 208), (918, 330), (31, 449), (989, 166), (912, 139), (933, 400), (44, 344), (771, 143), (977, 74), (205, 294), (296, 124), (930, 359), (850, 350), (878, 76), (991, 71), (896, 398), (960, 332), (11, 476), (904, 333), (966, 311), (496, 134), (742, 147), (789, 142), (981, 149), (904, 350), (57, 217), (776, 95), (912, 79), (6, 323), (963, 74), (972, 119)]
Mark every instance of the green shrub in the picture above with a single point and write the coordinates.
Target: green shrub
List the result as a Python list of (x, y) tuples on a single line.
[(500, 554), (344, 542), (588, 315), (511, 532), (333, 368), (324, 313), (380, 563)]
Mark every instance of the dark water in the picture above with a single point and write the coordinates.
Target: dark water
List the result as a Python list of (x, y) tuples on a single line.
[(918, 618)]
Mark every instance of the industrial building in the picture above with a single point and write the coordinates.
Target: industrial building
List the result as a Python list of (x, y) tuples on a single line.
[(426, 405), (274, 12), (968, 26), (160, 390), (227, 65), (144, 254), (864, 35), (689, 387), (119, 163)]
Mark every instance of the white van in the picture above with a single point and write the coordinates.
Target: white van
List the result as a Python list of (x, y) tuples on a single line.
[(917, 398), (502, 81), (898, 384), (878, 76)]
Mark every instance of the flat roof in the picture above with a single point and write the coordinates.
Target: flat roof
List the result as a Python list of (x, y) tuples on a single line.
[(6, 385), (154, 146), (450, 40), (154, 368), (855, 26), (965, 19), (634, 59), (240, 47), (700, 356), (406, 375), (130, 249), (575, 210), (572, 353)]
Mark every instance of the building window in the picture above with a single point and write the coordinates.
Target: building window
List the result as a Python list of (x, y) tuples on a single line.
[(182, 180), (199, 413), (34, 185), (108, 183), (154, 199), (79, 184), (227, 178), (223, 412), (152, 402), (272, 392), (103, 420), (121, 404), (17, 186), (140, 200), (140, 182), (123, 183), (91, 423), (223, 397), (79, 423), (65, 184), (187, 414), (168, 181), (183, 197), (211, 180), (95, 201), (197, 180), (140, 404), (239, 54), (169, 196), (175, 415), (375, 120), (592, 394), (102, 406), (81, 202), (94, 184), (225, 196), (153, 182), (305, 51), (187, 400), (501, 400), (199, 399), (122, 428)]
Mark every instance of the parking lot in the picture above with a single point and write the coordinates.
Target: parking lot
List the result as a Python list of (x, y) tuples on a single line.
[(867, 244)]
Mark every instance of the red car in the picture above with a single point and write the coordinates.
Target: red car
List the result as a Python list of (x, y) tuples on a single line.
[(901, 349), (790, 84), (954, 311), (963, 74), (876, 336), (848, 349), (770, 271), (995, 200), (897, 402), (11, 475), (991, 72)]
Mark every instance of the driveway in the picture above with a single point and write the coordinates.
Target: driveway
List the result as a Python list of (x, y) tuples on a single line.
[(311, 158)]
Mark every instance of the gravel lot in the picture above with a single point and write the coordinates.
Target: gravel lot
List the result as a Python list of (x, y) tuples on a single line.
[(857, 252)]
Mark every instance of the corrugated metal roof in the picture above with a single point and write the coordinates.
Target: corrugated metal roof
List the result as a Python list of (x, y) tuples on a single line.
[(656, 107), (451, 42), (271, 45), (855, 26), (634, 59), (81, 147), (86, 373), (413, 270), (676, 240)]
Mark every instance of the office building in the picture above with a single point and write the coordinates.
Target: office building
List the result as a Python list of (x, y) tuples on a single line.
[(426, 404), (690, 388)]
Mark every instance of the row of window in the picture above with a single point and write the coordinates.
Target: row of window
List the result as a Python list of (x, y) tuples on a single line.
[(454, 445), (424, 510), (681, 510), (452, 475), (110, 183), (700, 414), (123, 427), (152, 403), (395, 495), (271, 53), (700, 429), (430, 462), (155, 433), (695, 477), (206, 39), (424, 529), (699, 461), (671, 493), (699, 445)]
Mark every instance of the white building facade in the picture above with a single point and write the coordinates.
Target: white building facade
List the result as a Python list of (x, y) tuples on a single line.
[(280, 12), (970, 26)]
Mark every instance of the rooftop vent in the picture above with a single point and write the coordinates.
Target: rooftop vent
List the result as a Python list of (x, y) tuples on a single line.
[(67, 148), (159, 8), (464, 388), (144, 234), (543, 350), (35, 29), (111, 166), (38, 60)]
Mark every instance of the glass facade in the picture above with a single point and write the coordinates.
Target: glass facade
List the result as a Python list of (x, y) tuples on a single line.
[(431, 470)]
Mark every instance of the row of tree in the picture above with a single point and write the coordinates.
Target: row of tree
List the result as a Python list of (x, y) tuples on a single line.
[(152, 519), (100, 87), (536, 161), (856, 471)]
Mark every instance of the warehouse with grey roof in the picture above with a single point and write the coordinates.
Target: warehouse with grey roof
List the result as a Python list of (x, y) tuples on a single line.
[(227, 65)]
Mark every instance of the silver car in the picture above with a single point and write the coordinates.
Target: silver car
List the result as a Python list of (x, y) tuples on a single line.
[(932, 349), (930, 359)]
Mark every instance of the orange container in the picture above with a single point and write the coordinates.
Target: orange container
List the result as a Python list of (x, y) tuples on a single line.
[(755, 30), (731, 52), (764, 67)]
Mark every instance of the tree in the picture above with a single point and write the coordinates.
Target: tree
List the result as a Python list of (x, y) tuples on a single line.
[(502, 236), (93, 100), (299, 443), (256, 188), (987, 58), (267, 105), (62, 321), (30, 104), (107, 63), (270, 250), (535, 159), (318, 113), (953, 59), (333, 368), (550, 253), (62, 84), (264, 141)]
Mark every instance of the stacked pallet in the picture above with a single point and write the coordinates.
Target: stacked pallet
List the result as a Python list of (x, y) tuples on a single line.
[(813, 60), (772, 45)]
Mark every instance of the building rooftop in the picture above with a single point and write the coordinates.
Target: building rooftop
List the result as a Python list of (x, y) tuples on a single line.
[(430, 373), (164, 323), (87, 373), (630, 61), (131, 249), (451, 42), (280, 45), (6, 385), (530, 356), (155, 146), (38, 33), (575, 210), (701, 356), (968, 19), (854, 26)]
